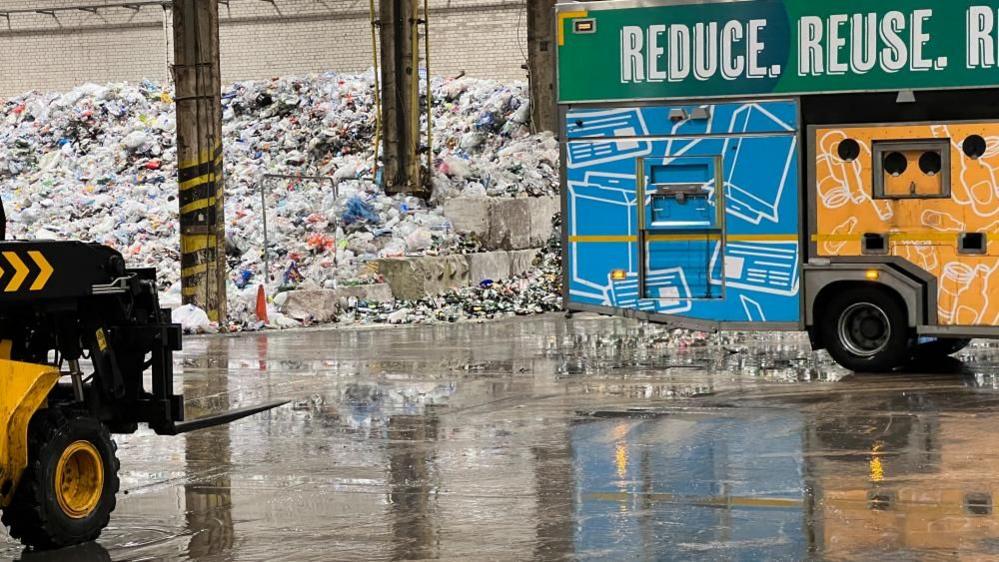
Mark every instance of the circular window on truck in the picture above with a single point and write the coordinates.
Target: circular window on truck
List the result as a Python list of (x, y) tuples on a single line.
[(931, 163), (895, 164), (974, 147), (848, 150)]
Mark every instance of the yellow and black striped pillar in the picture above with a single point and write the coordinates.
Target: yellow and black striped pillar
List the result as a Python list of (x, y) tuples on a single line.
[(199, 155)]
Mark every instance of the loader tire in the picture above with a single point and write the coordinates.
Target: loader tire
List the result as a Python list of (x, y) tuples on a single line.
[(67, 492)]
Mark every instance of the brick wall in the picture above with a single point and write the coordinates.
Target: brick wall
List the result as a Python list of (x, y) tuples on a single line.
[(259, 39)]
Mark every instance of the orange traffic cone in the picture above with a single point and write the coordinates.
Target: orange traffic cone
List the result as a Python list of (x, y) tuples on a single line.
[(262, 305)]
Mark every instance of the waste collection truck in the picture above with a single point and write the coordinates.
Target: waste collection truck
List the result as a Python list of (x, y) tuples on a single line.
[(830, 167)]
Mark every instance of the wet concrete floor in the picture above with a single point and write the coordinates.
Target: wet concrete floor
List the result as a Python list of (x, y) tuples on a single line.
[(548, 439)]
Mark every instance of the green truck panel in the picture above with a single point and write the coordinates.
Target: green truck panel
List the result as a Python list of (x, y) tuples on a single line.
[(644, 49)]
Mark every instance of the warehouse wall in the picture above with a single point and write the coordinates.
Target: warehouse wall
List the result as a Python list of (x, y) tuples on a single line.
[(259, 39)]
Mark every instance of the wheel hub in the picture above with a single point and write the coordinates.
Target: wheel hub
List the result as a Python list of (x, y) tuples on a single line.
[(79, 479), (864, 329), (871, 329)]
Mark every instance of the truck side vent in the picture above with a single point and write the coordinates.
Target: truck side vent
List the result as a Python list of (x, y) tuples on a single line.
[(978, 504), (880, 500), (874, 243), (972, 243)]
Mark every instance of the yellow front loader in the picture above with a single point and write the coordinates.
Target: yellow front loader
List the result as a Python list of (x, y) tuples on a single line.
[(85, 352)]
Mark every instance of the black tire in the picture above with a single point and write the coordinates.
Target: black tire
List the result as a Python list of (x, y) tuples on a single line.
[(866, 330), (940, 348), (36, 516)]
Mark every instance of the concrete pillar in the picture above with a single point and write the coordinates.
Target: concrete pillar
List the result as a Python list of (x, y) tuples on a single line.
[(400, 62), (199, 155), (541, 47)]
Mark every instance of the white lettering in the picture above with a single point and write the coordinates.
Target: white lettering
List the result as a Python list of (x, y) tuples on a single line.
[(920, 39), (705, 50), (836, 65), (632, 63), (810, 59), (679, 52), (864, 44), (895, 56), (981, 45), (656, 74), (754, 47), (732, 66)]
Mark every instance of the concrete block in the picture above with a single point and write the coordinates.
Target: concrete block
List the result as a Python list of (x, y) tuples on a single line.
[(377, 293), (456, 274), (522, 261), (488, 265), (510, 225), (543, 210), (317, 305), (469, 216), (402, 275), (416, 278), (504, 224)]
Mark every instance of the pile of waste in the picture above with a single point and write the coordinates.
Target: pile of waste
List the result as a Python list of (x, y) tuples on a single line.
[(98, 163)]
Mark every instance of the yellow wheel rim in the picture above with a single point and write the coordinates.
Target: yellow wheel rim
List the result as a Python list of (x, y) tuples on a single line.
[(79, 479)]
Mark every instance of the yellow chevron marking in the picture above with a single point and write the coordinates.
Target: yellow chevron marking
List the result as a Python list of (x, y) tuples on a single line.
[(45, 267), (20, 272)]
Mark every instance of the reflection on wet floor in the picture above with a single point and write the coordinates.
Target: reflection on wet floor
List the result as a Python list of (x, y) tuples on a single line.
[(555, 439)]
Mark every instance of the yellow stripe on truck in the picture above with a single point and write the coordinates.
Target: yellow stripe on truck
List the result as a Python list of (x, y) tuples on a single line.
[(683, 238)]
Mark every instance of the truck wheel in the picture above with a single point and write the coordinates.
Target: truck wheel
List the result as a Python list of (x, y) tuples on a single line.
[(865, 330), (67, 492)]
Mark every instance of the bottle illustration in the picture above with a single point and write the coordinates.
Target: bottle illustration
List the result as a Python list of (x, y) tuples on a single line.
[(941, 221), (955, 279), (835, 247)]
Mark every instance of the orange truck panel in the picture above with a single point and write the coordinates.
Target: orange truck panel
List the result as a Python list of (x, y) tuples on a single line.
[(919, 227)]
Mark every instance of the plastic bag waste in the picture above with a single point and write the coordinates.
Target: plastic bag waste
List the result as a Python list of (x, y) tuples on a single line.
[(193, 320), (99, 163), (359, 211)]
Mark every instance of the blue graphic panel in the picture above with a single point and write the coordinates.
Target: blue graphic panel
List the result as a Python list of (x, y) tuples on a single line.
[(692, 258), (756, 278)]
